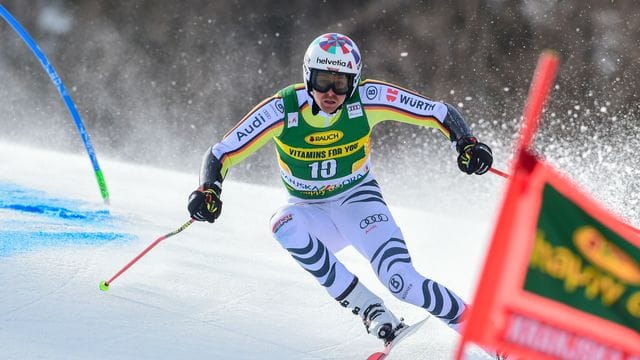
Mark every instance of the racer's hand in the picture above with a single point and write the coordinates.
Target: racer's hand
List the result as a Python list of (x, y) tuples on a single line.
[(473, 156), (205, 204)]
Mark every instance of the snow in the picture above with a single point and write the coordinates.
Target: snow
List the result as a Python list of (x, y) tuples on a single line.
[(225, 290), (53, 18)]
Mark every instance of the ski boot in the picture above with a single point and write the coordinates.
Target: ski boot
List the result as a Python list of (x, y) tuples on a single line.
[(384, 331), (377, 319)]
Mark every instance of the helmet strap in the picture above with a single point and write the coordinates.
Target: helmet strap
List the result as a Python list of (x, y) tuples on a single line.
[(315, 109)]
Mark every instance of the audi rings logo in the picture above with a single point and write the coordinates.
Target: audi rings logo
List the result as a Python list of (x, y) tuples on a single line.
[(372, 219), (396, 283)]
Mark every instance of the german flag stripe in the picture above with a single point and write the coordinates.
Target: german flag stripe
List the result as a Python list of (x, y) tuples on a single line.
[(401, 115), (398, 110), (250, 147)]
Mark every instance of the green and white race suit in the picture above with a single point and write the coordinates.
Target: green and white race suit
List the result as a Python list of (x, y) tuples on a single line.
[(321, 155), (335, 201)]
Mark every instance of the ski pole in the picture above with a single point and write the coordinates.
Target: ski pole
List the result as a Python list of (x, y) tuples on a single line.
[(499, 173), (104, 285)]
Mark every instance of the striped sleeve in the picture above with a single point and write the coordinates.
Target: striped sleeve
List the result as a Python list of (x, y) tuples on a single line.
[(262, 123), (384, 101)]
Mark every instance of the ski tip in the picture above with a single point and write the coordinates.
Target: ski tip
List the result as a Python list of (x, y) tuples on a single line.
[(410, 329), (377, 356)]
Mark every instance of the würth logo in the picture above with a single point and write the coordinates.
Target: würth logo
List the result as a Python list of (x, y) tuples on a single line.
[(392, 94)]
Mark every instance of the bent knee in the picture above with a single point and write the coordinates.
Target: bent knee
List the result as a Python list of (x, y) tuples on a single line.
[(287, 220)]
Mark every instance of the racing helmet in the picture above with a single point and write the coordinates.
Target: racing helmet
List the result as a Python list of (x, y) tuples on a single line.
[(333, 52)]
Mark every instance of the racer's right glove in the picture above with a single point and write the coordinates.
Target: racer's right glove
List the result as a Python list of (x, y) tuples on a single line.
[(205, 204)]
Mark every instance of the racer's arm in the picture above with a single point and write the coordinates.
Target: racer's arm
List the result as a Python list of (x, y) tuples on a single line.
[(383, 101), (255, 129)]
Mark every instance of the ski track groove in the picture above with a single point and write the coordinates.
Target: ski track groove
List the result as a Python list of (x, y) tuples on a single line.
[(211, 323), (58, 289)]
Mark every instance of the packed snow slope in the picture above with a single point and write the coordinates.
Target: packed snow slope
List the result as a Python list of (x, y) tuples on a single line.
[(214, 291)]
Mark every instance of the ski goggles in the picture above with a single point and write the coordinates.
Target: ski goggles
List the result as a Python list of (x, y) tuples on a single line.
[(322, 81)]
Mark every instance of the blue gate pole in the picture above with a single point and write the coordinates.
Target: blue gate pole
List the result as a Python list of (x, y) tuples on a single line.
[(65, 97)]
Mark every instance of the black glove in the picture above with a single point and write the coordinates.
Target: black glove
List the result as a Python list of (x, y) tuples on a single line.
[(474, 156), (205, 203)]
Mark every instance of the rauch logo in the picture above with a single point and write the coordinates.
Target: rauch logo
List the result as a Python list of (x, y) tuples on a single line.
[(324, 138)]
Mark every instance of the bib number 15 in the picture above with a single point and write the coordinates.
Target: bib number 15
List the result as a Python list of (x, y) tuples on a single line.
[(324, 169)]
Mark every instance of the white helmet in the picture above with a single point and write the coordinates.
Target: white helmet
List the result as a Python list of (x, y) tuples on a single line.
[(333, 52)]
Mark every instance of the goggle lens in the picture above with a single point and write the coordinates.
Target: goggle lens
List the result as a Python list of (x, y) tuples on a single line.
[(322, 81)]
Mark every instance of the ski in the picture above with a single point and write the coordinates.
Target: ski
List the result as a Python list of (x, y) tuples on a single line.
[(380, 355)]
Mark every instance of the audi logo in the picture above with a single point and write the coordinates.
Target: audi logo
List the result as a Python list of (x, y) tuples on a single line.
[(372, 219)]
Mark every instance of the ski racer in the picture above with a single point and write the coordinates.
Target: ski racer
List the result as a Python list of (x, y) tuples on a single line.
[(321, 130)]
